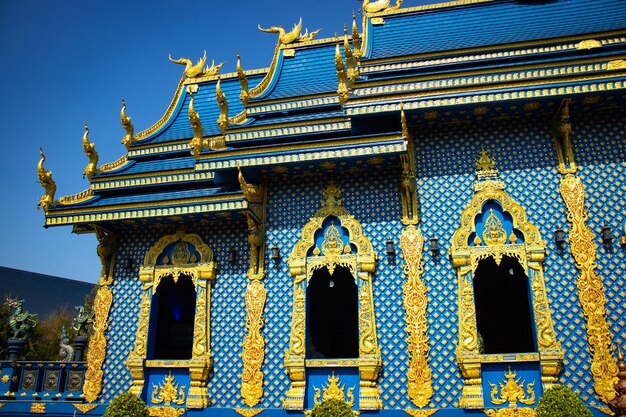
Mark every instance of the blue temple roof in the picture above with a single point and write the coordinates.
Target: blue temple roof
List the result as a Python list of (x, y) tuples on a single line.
[(482, 24), (141, 167)]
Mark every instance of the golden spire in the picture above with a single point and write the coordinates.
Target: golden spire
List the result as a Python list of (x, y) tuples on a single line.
[(222, 120), (90, 151), (198, 129), (356, 38), (245, 95), (342, 89), (129, 137), (198, 70), (353, 69), (48, 184)]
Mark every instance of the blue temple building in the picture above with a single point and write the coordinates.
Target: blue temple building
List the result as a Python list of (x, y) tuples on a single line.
[(421, 216)]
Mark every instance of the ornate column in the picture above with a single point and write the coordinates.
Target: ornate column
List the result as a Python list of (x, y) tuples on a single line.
[(583, 249)]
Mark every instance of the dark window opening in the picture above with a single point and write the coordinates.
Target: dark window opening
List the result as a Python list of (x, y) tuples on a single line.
[(333, 315), (175, 312), (503, 314)]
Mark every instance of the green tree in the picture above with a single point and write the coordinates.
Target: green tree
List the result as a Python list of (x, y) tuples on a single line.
[(332, 408), (44, 342), (560, 401), (5, 329), (127, 405)]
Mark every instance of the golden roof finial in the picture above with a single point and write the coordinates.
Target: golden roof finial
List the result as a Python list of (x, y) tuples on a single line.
[(198, 70), (222, 120), (48, 184), (285, 38), (356, 38), (198, 129), (353, 70), (129, 137), (342, 88), (244, 96), (90, 151)]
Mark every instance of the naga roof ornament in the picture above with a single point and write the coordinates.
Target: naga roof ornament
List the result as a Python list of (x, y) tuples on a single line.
[(198, 129), (90, 151), (342, 89), (356, 39), (351, 62), (46, 181), (244, 96), (293, 36), (129, 137), (198, 70), (379, 5), (222, 120)]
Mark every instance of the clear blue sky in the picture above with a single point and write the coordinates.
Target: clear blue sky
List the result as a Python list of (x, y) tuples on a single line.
[(68, 61)]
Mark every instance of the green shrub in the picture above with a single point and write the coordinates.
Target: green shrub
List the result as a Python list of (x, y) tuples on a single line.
[(559, 401), (127, 405), (332, 408)]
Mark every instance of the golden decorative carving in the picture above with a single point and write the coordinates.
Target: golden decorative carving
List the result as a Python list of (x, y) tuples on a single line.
[(356, 39), (90, 151), (419, 375), (38, 408), (129, 137), (5, 379), (512, 391), (511, 412), (420, 413), (342, 89), (351, 60), (253, 345), (285, 38), (222, 119), (106, 252), (588, 44), (583, 248), (363, 266), (249, 412), (168, 391), (198, 70), (48, 184), (96, 352), (244, 96), (196, 143), (410, 213), (466, 253), (379, 6), (166, 411), (334, 390), (253, 193), (202, 270), (85, 408), (617, 64)]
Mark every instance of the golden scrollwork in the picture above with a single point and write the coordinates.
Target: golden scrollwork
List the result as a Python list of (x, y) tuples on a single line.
[(199, 70), (511, 412), (342, 88), (48, 184), (85, 408), (588, 44), (222, 120), (38, 408), (334, 390), (380, 5), (419, 375), (369, 361), (165, 411), (468, 249), (253, 344), (90, 151), (583, 248), (512, 390), (97, 344), (244, 96), (196, 143), (127, 124), (249, 412), (420, 413), (169, 391)]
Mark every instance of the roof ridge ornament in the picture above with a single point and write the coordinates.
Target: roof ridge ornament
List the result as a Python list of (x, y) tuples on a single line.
[(129, 137), (356, 39), (244, 96), (222, 120), (198, 129), (351, 61), (293, 36), (46, 181), (198, 70), (342, 89), (90, 151), (380, 5)]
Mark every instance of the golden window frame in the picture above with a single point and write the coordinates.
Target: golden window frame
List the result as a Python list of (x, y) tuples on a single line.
[(202, 272)]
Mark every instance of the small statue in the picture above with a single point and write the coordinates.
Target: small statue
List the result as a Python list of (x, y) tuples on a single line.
[(90, 151), (46, 181), (129, 137), (22, 322), (105, 250), (198, 70), (256, 239), (66, 352), (83, 319)]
